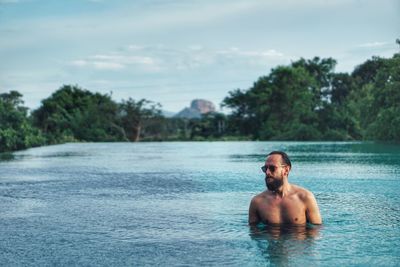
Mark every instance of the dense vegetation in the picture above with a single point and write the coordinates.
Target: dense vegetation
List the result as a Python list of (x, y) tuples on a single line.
[(305, 100), (16, 130)]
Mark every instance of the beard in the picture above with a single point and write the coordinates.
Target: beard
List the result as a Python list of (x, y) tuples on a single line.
[(273, 184)]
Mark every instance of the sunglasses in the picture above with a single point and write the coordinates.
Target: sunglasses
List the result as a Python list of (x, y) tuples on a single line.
[(271, 168)]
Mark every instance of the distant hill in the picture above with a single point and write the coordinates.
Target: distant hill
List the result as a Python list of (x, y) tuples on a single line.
[(167, 114), (196, 109)]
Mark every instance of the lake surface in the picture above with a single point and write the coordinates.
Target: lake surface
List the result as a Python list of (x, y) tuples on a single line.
[(186, 203)]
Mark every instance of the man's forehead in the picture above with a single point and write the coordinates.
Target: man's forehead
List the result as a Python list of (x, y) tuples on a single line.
[(274, 158)]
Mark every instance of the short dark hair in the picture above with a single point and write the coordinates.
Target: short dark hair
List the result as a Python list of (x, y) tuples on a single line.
[(285, 157)]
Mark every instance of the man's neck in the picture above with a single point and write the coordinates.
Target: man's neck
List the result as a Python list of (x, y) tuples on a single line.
[(282, 191)]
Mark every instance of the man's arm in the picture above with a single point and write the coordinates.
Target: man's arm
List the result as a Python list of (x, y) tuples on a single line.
[(312, 211), (253, 215)]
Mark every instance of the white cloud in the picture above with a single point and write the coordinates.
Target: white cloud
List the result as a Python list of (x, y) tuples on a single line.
[(79, 63), (135, 47), (373, 44), (156, 58), (115, 61), (272, 53), (107, 65), (250, 54), (100, 65)]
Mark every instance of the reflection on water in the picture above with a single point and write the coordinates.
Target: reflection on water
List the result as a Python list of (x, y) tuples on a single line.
[(285, 232), (6, 156), (280, 244)]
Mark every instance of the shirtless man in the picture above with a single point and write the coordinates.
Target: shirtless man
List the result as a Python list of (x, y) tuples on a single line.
[(282, 203)]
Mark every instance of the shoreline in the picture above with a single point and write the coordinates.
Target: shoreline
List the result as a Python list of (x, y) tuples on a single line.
[(8, 155)]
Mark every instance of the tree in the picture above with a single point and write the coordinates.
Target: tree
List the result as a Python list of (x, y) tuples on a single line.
[(322, 71), (367, 71), (134, 116), (211, 125), (338, 120), (16, 130), (384, 108), (376, 98), (303, 101), (243, 119), (279, 106), (72, 113)]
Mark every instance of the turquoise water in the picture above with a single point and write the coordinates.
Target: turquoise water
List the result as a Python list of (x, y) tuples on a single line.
[(183, 203)]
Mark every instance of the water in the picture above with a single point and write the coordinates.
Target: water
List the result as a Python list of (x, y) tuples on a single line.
[(183, 204)]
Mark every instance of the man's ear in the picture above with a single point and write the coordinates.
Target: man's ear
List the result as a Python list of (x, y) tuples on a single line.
[(287, 170)]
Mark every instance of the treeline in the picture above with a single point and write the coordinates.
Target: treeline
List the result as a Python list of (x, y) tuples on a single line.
[(305, 100)]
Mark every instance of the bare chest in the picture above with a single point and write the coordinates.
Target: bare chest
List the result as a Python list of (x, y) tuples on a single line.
[(287, 210)]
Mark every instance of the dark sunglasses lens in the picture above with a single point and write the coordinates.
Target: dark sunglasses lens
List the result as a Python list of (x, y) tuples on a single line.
[(263, 169), (271, 168)]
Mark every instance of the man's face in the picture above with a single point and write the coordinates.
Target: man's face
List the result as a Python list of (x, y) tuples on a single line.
[(275, 172)]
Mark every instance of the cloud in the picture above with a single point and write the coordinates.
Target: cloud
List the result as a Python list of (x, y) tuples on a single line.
[(99, 65), (161, 58), (79, 63), (272, 53), (113, 61), (373, 44), (251, 58), (234, 51), (377, 48), (124, 59)]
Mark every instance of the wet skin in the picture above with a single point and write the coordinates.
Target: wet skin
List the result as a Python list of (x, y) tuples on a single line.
[(288, 204)]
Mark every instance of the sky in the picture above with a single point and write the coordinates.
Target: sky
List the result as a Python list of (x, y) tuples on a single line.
[(173, 51)]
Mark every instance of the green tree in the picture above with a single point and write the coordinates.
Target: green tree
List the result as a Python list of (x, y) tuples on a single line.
[(16, 130), (244, 119), (139, 118), (211, 125), (303, 101), (376, 97), (175, 129), (384, 107), (366, 72), (322, 72), (337, 116), (281, 105), (72, 113)]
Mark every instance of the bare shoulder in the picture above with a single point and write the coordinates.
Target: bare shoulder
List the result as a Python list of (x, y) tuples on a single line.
[(259, 197), (302, 193), (312, 210)]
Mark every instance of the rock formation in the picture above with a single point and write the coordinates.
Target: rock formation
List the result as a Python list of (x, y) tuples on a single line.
[(197, 108)]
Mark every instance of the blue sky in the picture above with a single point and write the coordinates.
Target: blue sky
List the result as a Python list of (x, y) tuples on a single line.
[(174, 51)]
